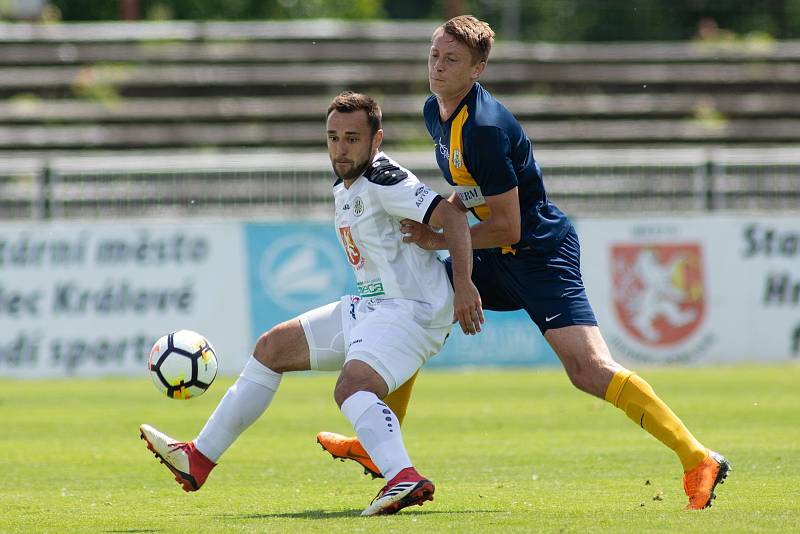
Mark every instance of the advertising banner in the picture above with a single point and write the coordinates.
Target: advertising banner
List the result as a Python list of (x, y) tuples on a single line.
[(695, 289), (81, 299), (91, 299), (293, 268), (507, 339)]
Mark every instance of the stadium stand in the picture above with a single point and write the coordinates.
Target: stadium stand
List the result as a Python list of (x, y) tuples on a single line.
[(109, 86), (98, 94)]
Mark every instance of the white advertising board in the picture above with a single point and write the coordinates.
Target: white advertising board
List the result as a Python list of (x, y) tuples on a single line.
[(695, 289), (90, 299), (82, 299)]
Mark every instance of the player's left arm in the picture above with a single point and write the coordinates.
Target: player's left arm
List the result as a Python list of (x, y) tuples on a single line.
[(468, 310)]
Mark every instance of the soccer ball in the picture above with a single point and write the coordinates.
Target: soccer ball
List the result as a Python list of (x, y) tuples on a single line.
[(183, 364)]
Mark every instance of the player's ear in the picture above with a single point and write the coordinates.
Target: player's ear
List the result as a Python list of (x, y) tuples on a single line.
[(377, 140), (478, 69)]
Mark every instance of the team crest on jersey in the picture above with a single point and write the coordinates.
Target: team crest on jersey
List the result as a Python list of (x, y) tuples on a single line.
[(659, 294), (457, 159), (350, 248), (358, 206)]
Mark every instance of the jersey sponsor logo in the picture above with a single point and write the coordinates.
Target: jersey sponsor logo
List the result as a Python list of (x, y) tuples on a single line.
[(470, 195), (443, 150), (358, 207), (350, 248), (371, 288), (421, 193), (659, 293), (458, 160)]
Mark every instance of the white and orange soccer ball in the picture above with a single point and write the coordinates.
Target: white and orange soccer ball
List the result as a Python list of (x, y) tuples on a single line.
[(183, 364)]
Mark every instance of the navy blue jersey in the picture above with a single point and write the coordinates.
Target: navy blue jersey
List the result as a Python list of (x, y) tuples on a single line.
[(483, 151)]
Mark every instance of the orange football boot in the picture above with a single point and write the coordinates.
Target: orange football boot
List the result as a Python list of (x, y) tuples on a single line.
[(699, 483), (346, 448)]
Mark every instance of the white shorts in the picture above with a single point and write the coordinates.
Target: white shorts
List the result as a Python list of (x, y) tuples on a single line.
[(381, 333)]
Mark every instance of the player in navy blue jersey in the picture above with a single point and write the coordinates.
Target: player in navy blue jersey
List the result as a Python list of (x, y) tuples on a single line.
[(527, 254)]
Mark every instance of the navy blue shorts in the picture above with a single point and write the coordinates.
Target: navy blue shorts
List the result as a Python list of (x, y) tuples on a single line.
[(548, 287)]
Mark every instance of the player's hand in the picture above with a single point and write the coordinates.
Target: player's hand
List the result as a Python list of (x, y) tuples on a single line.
[(467, 308), (421, 234)]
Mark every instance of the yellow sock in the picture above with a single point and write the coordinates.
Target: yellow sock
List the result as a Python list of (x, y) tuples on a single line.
[(630, 393), (398, 399)]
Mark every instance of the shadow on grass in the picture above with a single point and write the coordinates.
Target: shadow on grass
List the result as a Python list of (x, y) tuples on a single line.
[(354, 512)]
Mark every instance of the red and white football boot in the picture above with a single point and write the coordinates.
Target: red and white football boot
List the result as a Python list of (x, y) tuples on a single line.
[(405, 489), (190, 466)]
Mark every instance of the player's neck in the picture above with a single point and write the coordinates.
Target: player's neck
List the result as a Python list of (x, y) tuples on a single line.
[(448, 104)]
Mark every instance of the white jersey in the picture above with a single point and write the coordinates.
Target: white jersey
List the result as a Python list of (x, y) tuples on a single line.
[(368, 216)]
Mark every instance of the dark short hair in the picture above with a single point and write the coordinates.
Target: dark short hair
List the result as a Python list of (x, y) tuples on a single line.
[(476, 34), (350, 101)]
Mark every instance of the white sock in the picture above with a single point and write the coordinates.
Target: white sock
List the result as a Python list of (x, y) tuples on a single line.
[(243, 403), (378, 431)]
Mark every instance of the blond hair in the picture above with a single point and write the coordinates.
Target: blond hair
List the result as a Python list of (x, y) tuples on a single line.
[(476, 34)]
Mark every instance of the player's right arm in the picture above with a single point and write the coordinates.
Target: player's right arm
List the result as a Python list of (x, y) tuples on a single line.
[(503, 225), (500, 229), (407, 198), (493, 171), (455, 201)]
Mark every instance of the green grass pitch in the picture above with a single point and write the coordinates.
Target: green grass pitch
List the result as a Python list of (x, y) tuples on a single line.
[(511, 451)]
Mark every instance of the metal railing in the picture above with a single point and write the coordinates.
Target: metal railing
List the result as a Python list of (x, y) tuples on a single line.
[(266, 184)]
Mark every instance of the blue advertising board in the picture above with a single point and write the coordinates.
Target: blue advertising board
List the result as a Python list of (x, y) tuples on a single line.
[(507, 339), (295, 267)]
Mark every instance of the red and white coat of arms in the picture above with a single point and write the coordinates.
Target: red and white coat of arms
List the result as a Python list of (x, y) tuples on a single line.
[(659, 295), (353, 254)]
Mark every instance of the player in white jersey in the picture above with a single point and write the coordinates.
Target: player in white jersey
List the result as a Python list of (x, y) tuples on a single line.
[(377, 339)]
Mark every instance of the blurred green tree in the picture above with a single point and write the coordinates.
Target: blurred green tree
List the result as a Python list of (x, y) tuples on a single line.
[(544, 20), (224, 9), (635, 20)]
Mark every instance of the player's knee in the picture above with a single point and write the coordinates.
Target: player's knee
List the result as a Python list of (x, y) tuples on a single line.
[(262, 351), (270, 351), (585, 375), (579, 378), (341, 392), (592, 377), (358, 376), (347, 386)]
